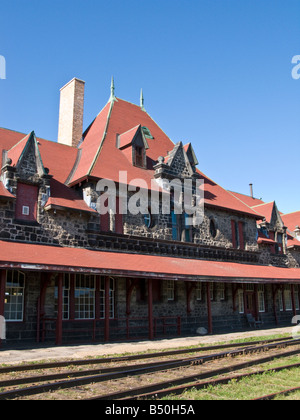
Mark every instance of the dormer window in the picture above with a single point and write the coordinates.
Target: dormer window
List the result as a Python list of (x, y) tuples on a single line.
[(139, 156), (26, 203)]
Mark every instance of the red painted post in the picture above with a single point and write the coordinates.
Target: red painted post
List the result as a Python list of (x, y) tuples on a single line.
[(209, 313), (2, 294), (150, 308), (107, 291), (2, 291), (59, 310)]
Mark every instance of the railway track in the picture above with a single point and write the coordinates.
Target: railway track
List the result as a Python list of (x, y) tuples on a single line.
[(200, 365)]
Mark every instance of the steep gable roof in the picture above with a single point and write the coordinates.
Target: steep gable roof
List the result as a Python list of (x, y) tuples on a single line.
[(291, 220), (102, 159), (27, 148), (59, 158)]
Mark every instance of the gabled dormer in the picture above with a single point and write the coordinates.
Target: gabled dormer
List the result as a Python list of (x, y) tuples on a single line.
[(178, 164), (191, 156), (271, 229), (134, 145), (26, 159), (24, 175)]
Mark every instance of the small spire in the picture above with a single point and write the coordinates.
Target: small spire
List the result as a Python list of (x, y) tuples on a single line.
[(112, 90), (142, 101)]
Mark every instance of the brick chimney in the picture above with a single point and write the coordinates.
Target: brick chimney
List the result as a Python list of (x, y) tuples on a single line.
[(71, 113)]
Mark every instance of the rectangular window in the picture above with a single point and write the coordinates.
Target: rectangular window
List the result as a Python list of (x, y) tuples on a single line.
[(111, 298), (26, 203), (14, 296), (288, 297), (199, 291), (296, 294), (139, 156), (84, 296), (241, 301), (222, 291), (66, 297), (280, 300), (261, 298), (174, 226), (170, 290)]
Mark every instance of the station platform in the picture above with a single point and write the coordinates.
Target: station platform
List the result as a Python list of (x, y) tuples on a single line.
[(43, 353)]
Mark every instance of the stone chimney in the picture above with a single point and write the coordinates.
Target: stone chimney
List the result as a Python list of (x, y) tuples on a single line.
[(71, 113)]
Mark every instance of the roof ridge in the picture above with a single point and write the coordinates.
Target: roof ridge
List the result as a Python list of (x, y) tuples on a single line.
[(251, 208), (264, 204), (246, 195), (293, 212), (103, 137)]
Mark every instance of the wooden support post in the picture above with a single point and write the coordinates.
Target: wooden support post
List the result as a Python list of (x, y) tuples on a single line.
[(150, 308), (2, 295), (107, 291), (209, 313), (59, 310)]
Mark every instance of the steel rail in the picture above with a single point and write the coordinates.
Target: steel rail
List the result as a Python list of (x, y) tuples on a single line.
[(171, 364), (83, 362), (163, 388), (214, 382), (142, 370), (276, 394)]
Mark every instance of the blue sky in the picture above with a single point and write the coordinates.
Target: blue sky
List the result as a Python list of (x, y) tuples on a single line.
[(216, 73)]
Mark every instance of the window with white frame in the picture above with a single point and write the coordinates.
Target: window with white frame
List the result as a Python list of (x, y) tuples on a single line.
[(66, 297), (222, 291), (199, 291), (170, 290), (241, 301), (296, 294), (111, 298), (288, 297), (85, 296), (279, 300), (14, 296), (261, 298)]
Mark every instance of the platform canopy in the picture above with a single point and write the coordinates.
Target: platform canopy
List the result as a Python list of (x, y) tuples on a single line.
[(34, 257)]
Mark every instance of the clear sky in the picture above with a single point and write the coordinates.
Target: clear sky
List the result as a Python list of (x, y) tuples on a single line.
[(216, 73)]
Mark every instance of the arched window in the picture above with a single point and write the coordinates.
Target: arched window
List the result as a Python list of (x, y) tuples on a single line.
[(212, 228)]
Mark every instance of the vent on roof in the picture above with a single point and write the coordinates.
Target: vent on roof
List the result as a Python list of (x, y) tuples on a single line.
[(147, 133)]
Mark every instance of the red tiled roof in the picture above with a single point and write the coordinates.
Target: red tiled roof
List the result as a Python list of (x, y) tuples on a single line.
[(59, 158), (291, 220), (63, 196), (42, 257), (4, 193), (102, 159), (247, 199), (265, 209)]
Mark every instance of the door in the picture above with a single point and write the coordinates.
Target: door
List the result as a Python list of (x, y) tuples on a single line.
[(250, 303)]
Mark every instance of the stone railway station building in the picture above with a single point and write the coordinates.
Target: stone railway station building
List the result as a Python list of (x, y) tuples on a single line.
[(70, 274)]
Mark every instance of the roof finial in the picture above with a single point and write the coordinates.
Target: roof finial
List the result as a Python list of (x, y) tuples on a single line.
[(112, 90), (142, 101)]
